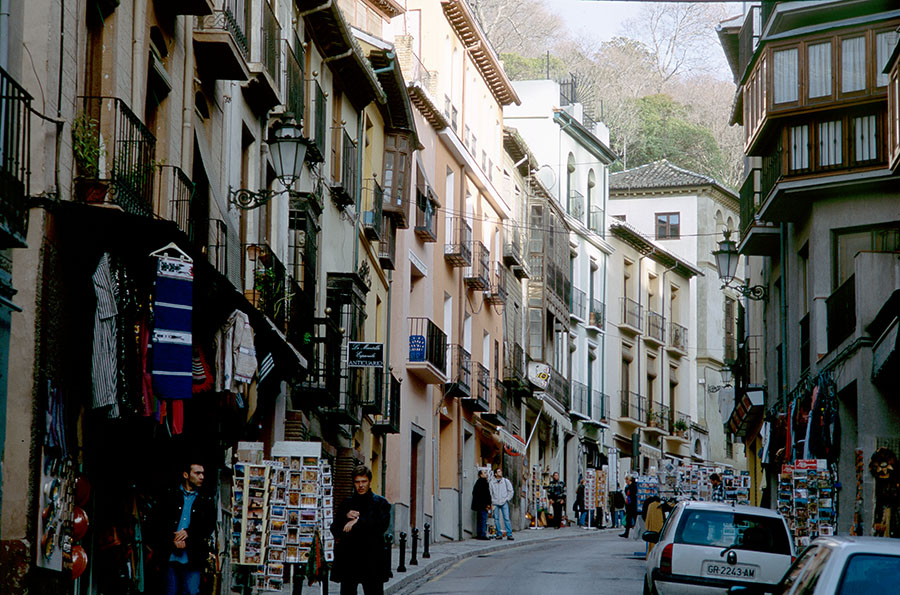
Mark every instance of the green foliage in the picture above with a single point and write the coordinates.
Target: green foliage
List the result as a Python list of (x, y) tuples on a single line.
[(521, 68), (86, 145)]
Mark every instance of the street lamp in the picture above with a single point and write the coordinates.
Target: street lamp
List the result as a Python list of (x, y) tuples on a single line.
[(727, 258), (288, 150)]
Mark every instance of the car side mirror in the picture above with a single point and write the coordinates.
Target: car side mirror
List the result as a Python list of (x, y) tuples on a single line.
[(650, 536)]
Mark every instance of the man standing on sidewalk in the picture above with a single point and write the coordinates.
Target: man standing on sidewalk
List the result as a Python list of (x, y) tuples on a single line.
[(556, 494), (501, 494), (631, 505)]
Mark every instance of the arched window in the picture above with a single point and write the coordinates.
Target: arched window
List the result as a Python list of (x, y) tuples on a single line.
[(593, 211)]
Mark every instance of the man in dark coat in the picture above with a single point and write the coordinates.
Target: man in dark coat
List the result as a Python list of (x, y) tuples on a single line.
[(481, 503), (556, 494), (359, 526), (631, 505), (188, 519)]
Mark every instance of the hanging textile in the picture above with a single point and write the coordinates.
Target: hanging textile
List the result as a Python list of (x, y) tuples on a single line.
[(104, 369), (173, 309), (235, 352)]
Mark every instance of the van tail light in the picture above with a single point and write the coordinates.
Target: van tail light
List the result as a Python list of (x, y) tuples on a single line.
[(665, 560), (793, 559)]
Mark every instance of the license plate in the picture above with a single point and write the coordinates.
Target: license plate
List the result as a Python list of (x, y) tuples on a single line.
[(741, 571)]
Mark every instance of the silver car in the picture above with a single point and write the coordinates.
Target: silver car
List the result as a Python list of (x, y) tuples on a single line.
[(707, 547)]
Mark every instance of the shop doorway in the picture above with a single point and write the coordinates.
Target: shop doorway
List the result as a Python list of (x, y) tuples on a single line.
[(468, 479), (416, 476)]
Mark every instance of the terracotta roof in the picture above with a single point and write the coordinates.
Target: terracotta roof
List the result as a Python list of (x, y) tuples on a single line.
[(659, 174)]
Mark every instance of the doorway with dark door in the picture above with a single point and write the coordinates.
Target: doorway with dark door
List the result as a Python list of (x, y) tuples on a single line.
[(416, 476)]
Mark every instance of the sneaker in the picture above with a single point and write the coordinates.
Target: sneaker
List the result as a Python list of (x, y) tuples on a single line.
[(510, 538)]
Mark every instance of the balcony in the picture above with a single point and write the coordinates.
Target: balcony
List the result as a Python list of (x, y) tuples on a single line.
[(559, 389), (657, 419), (426, 220), (211, 236), (387, 247), (480, 399), (596, 222), (804, 344), (427, 351), (514, 364), (656, 328), (294, 78), (267, 277), (840, 309), (678, 339), (578, 305), (631, 316), (499, 413), (597, 316), (496, 295), (373, 215), (599, 407), (114, 154), (343, 192), (458, 247), (264, 89), (372, 388), (451, 114), (633, 408), (299, 324), (757, 237), (15, 147), (322, 383), (478, 275), (348, 409), (174, 193), (580, 401), (315, 150), (413, 69), (459, 381), (514, 249), (575, 207), (680, 429), (221, 47), (748, 39), (387, 421)]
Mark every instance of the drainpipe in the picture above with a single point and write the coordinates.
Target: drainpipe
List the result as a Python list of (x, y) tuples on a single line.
[(783, 310), (387, 358), (138, 25), (360, 130), (187, 96)]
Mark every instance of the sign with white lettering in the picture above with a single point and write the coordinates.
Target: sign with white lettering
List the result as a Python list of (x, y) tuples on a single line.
[(365, 355)]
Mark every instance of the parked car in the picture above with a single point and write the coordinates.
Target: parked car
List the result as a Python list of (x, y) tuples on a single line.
[(840, 565), (707, 547)]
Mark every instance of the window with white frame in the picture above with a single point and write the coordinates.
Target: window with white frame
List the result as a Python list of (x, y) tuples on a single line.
[(819, 69), (865, 147), (884, 45), (830, 143), (785, 76), (853, 64), (798, 143)]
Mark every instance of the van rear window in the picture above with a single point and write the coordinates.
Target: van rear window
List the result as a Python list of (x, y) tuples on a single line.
[(725, 529)]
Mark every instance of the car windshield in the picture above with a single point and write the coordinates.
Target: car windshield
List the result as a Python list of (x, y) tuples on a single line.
[(726, 529), (869, 573)]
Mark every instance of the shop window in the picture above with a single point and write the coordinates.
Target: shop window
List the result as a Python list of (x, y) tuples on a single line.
[(668, 226), (853, 64), (785, 76), (819, 55)]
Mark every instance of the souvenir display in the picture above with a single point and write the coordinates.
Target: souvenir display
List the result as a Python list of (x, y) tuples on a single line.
[(250, 504), (806, 499), (647, 485)]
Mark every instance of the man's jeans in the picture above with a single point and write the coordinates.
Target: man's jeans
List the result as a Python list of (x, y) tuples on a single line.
[(583, 518), (505, 512), (182, 580), (481, 527)]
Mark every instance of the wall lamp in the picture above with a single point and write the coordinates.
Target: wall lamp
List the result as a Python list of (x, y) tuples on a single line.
[(727, 258), (288, 150)]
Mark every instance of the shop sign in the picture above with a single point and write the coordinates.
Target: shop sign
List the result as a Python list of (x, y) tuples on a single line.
[(539, 374), (365, 355)]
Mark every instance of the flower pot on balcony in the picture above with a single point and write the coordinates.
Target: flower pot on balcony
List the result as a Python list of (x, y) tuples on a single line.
[(91, 191)]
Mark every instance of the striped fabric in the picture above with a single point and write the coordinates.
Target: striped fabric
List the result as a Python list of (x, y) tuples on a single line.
[(173, 317), (104, 363)]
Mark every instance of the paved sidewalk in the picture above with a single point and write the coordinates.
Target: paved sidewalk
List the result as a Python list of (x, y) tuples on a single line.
[(446, 553)]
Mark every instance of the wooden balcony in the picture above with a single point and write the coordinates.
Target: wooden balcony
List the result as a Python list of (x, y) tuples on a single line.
[(221, 46)]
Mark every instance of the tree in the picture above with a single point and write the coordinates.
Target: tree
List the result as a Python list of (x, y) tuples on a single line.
[(522, 27)]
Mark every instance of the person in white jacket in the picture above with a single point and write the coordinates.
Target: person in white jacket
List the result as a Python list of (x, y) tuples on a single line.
[(501, 494)]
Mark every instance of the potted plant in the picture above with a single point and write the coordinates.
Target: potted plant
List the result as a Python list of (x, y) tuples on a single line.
[(88, 151), (680, 426)]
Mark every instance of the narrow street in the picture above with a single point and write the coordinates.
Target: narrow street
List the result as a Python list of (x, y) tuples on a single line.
[(591, 563)]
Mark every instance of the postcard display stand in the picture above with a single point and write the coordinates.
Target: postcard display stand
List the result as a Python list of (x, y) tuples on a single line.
[(647, 485), (806, 499), (590, 494), (278, 505)]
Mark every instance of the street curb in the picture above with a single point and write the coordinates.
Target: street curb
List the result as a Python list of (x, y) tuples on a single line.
[(413, 578)]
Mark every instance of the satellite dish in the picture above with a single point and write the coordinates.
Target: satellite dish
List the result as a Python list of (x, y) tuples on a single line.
[(546, 176)]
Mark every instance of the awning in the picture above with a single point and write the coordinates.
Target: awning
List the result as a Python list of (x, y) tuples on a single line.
[(748, 411), (885, 353), (512, 441), (557, 415)]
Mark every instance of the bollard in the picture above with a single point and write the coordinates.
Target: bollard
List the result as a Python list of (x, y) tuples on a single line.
[(388, 542), (425, 552), (413, 560), (402, 567)]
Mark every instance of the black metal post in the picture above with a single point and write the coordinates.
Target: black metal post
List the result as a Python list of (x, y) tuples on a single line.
[(402, 566), (413, 560), (388, 543), (425, 552)]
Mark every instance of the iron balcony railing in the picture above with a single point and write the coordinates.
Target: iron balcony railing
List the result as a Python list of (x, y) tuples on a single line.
[(599, 405), (678, 336), (324, 356), (215, 236), (578, 304), (271, 42), (303, 250), (483, 386), (174, 195), (293, 78), (748, 39), (372, 388), (348, 410), (299, 326), (631, 313), (451, 113), (656, 326), (568, 91), (458, 247), (15, 146), (119, 149), (427, 343), (576, 204), (513, 246), (749, 200), (426, 221), (267, 280), (232, 17), (478, 275), (513, 362), (373, 215), (633, 406), (597, 317), (579, 398), (658, 417), (387, 421), (387, 246), (417, 73), (460, 363), (597, 222), (772, 165), (344, 192), (559, 388), (496, 294), (840, 309), (681, 424), (316, 150)]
